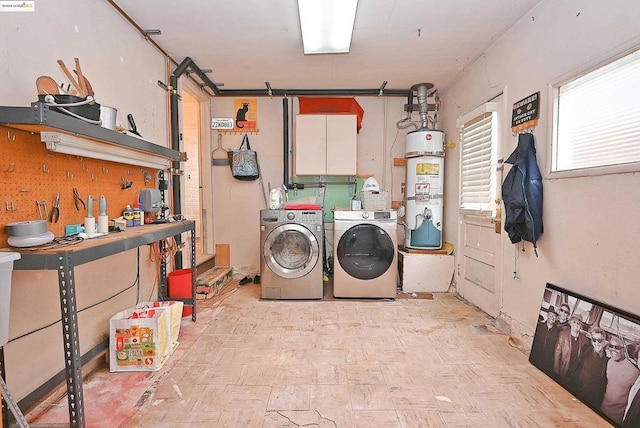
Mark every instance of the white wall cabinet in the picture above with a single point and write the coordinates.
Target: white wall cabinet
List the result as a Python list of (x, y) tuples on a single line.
[(325, 144)]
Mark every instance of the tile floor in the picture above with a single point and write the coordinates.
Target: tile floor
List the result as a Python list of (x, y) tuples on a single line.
[(400, 363)]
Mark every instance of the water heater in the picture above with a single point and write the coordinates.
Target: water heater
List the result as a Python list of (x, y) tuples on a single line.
[(424, 188)]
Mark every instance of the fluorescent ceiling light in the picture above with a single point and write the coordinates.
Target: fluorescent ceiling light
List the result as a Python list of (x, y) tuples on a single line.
[(72, 145), (327, 25)]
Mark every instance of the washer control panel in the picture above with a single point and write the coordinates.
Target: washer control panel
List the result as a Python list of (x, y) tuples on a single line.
[(302, 216)]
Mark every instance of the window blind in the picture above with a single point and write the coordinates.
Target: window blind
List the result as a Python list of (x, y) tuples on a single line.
[(476, 173), (598, 117)]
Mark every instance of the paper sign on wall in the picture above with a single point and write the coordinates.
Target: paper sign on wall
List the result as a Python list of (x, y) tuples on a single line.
[(526, 113), (246, 113)]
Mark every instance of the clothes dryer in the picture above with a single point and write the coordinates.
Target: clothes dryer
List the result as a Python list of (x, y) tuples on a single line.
[(291, 254), (365, 254)]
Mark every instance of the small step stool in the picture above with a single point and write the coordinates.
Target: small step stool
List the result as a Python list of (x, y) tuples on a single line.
[(209, 283)]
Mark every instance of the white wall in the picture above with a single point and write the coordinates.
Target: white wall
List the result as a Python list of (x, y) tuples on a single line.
[(590, 244), (123, 70)]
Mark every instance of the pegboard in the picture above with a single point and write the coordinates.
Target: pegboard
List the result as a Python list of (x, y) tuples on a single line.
[(31, 173)]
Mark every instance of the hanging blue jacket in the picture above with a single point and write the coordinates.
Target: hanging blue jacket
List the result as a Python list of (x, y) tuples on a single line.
[(522, 194)]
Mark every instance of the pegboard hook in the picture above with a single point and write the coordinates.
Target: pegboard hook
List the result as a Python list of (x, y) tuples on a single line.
[(10, 137), (11, 168), (44, 168), (10, 206)]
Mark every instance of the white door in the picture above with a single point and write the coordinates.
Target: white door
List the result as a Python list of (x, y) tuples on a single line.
[(342, 143), (310, 145), (479, 267)]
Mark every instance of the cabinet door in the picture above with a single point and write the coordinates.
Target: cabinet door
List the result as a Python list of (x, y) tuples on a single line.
[(341, 144), (310, 154)]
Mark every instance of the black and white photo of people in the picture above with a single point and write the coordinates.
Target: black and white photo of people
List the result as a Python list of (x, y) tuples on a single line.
[(592, 351)]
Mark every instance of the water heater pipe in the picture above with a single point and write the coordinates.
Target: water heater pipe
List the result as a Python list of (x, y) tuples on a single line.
[(423, 106)]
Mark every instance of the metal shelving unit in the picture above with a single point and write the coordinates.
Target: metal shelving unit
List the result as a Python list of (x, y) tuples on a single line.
[(65, 259), (40, 117)]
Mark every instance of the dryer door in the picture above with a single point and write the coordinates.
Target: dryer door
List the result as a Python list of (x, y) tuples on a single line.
[(365, 251), (291, 251)]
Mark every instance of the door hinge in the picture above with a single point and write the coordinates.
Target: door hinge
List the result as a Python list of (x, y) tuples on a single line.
[(497, 219)]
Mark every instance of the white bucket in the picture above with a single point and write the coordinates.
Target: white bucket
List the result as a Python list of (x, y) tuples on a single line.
[(6, 268), (108, 117)]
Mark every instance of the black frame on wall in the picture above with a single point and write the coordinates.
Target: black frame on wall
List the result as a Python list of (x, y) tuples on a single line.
[(591, 349)]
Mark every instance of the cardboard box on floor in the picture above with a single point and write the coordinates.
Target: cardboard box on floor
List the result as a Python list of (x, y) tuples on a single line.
[(138, 340)]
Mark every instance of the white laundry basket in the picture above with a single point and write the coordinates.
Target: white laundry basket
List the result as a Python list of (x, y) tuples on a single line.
[(375, 201), (6, 267)]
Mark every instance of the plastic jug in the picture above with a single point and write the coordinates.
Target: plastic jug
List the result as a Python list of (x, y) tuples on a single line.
[(276, 199)]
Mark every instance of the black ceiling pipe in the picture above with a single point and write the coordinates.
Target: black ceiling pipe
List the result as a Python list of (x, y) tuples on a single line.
[(175, 144), (312, 92), (285, 139), (188, 63), (185, 65), (268, 92)]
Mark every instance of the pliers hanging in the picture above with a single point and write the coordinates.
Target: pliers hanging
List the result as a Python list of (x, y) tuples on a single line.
[(54, 216), (77, 200)]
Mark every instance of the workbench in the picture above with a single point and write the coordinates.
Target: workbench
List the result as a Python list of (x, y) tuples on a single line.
[(65, 259)]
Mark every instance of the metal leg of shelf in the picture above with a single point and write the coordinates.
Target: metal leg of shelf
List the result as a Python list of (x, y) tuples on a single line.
[(15, 410), (163, 292), (5, 415), (193, 273), (72, 360)]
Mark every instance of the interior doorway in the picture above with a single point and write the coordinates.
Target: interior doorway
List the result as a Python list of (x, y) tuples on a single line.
[(196, 170)]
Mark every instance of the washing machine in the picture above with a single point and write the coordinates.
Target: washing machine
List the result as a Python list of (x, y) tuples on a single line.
[(291, 255), (365, 254)]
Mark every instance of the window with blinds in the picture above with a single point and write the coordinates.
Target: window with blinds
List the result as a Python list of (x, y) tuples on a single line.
[(597, 117), (477, 174)]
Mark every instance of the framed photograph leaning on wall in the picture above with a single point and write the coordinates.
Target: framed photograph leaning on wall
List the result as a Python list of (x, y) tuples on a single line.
[(591, 349)]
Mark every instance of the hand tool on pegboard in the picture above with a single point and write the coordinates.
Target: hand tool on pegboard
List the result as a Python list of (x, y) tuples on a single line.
[(55, 210), (40, 205), (77, 200)]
